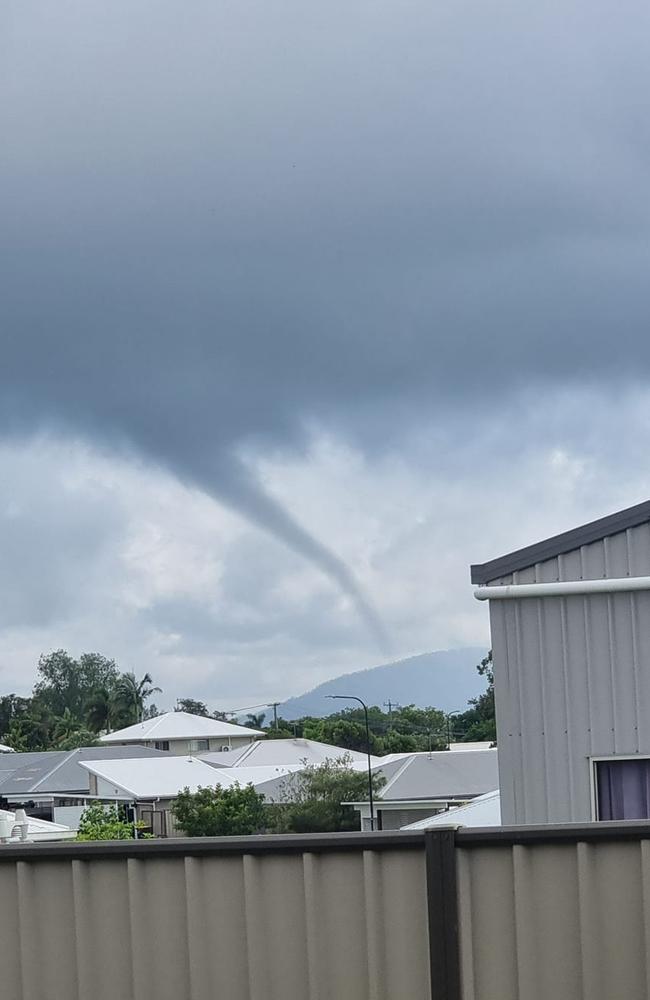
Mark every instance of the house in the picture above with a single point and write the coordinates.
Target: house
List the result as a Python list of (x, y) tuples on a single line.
[(150, 785), (421, 784), (182, 733), (484, 810), (289, 751), (570, 624), (51, 785)]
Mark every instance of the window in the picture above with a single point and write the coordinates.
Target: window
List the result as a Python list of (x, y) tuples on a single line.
[(196, 746), (623, 788), (162, 744)]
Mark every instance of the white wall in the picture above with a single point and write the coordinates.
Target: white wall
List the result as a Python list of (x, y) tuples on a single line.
[(68, 815)]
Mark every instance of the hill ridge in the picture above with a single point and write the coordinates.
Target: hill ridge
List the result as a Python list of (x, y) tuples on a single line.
[(444, 678)]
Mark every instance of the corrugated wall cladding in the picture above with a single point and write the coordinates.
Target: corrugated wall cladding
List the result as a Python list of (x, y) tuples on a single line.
[(333, 925), (572, 680), (555, 921)]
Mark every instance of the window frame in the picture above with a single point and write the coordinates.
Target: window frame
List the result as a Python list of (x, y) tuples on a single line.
[(593, 783)]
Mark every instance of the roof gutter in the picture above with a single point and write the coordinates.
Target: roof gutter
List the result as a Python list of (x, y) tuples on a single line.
[(567, 588)]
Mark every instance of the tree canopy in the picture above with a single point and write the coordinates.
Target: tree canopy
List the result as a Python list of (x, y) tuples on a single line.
[(220, 812), (72, 701), (102, 822), (312, 800)]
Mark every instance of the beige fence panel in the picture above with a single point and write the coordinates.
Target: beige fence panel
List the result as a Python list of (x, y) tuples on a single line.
[(554, 921), (179, 922)]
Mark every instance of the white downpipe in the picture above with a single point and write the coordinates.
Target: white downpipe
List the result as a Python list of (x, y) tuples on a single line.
[(513, 591)]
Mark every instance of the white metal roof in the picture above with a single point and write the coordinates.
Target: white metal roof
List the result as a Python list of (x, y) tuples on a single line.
[(281, 752), (178, 726), (254, 775), (41, 829), (484, 810), (165, 777), (464, 747)]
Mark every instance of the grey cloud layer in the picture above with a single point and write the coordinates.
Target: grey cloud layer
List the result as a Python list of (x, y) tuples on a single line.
[(225, 222)]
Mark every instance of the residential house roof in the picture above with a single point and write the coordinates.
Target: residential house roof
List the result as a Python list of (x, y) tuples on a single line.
[(41, 829), (484, 810), (164, 778), (466, 747), (439, 775), (178, 726), (278, 752), (57, 771), (557, 545)]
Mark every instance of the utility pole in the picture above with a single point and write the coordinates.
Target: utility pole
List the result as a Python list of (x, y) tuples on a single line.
[(274, 706), (390, 705)]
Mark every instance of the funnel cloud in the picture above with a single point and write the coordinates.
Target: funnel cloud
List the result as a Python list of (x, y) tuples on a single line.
[(416, 235)]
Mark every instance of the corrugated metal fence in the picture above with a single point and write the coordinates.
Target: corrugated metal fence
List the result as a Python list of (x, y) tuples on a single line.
[(528, 914)]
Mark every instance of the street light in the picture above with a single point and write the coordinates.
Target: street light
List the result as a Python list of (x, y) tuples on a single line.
[(353, 697)]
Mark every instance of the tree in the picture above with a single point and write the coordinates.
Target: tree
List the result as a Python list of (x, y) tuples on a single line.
[(100, 822), (220, 812), (192, 706), (31, 730), (68, 733), (68, 683), (12, 707), (479, 722), (100, 709), (130, 697), (312, 799), (341, 731), (256, 721)]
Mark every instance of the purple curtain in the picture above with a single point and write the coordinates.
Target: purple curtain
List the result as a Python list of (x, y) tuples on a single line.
[(623, 789)]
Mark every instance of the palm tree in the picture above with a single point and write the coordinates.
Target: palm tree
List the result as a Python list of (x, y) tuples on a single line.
[(256, 721), (131, 694), (99, 710), (65, 727)]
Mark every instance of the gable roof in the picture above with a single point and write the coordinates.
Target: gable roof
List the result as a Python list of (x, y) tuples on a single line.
[(567, 541), (145, 777), (178, 726), (484, 810), (279, 752), (439, 775), (58, 771), (164, 777)]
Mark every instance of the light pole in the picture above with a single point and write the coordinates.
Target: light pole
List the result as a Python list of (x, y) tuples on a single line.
[(458, 711), (352, 697)]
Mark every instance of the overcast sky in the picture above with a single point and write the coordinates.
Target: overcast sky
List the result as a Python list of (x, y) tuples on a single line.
[(304, 307)]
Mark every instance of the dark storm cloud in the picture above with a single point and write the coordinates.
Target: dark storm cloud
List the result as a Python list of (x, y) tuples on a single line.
[(225, 222)]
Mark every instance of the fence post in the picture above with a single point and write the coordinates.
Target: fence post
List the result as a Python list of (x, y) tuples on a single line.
[(442, 904)]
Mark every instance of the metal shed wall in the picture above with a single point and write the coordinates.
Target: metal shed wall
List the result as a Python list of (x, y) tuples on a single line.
[(572, 679)]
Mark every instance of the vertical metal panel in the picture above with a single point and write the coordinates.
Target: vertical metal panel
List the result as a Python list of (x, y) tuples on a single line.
[(571, 680), (285, 925), (554, 921)]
